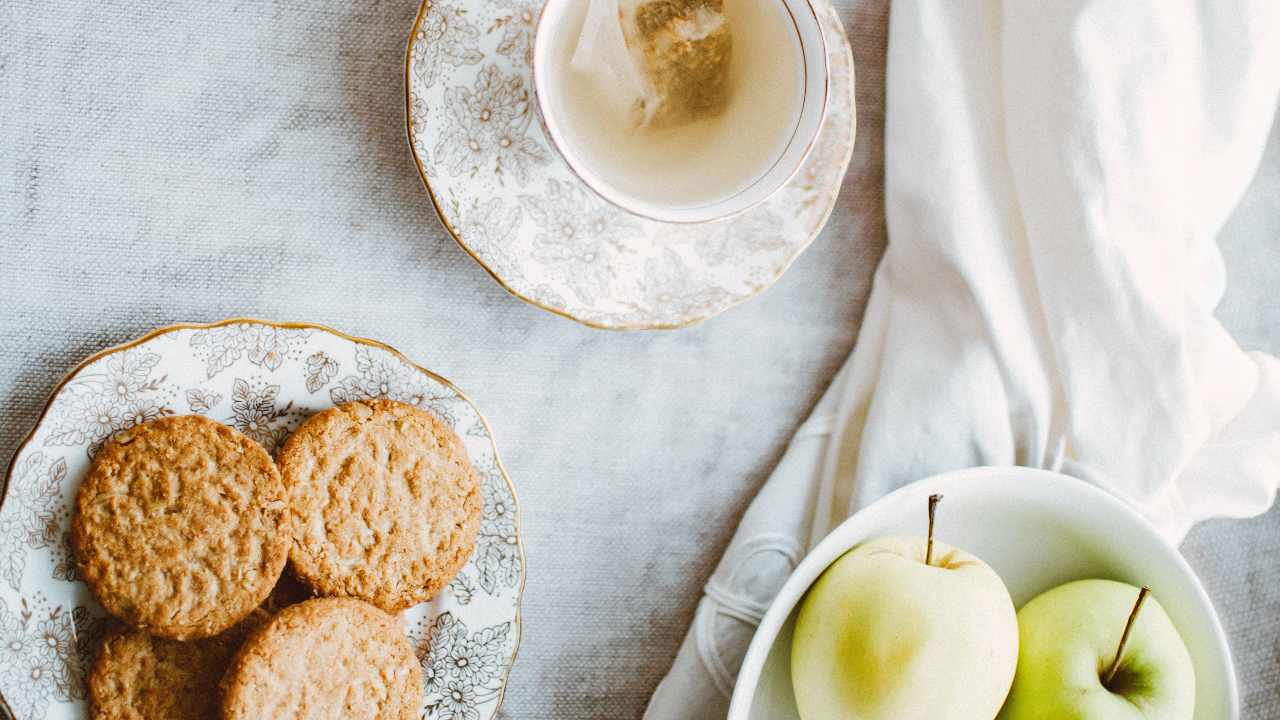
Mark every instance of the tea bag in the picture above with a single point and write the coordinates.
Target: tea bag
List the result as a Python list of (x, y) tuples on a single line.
[(657, 63)]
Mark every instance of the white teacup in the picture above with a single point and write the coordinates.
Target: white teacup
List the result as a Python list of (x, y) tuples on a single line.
[(557, 18)]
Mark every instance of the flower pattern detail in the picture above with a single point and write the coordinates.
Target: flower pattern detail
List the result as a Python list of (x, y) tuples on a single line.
[(265, 382), (40, 661), (462, 587), (482, 153), (30, 518), (747, 234), (488, 128), (517, 26), (202, 401), (128, 374), (320, 370), (64, 560), (434, 674), (445, 37), (111, 395), (88, 632), (382, 375), (264, 345), (498, 556), (668, 283), (138, 412), (577, 230), (490, 226), (417, 118), (461, 669), (254, 413)]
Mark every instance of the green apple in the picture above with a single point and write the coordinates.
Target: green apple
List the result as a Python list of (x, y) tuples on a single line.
[(897, 629), (1100, 650)]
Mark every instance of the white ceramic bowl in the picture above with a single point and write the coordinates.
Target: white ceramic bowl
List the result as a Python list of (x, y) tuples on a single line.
[(813, 107), (1037, 529)]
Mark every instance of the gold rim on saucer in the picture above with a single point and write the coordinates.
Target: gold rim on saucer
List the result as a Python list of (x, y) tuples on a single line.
[(512, 204)]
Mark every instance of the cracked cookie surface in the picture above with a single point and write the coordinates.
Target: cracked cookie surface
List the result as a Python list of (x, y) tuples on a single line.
[(180, 527), (141, 677), (384, 501), (325, 659)]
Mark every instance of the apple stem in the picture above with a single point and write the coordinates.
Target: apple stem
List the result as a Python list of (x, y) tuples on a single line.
[(1124, 637), (928, 548)]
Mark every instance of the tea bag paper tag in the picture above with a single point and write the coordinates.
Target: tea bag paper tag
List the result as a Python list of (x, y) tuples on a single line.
[(602, 56)]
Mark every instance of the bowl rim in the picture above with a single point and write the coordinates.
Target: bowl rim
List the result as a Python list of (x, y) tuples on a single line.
[(833, 545)]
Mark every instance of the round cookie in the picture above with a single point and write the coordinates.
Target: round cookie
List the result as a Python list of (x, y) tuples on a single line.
[(384, 503), (328, 658), (141, 677), (180, 527)]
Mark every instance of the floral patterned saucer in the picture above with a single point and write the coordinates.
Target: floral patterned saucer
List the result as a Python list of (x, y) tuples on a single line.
[(263, 379), (514, 205)]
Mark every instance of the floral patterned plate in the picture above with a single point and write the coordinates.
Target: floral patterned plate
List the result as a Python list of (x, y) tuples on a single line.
[(514, 205), (263, 379)]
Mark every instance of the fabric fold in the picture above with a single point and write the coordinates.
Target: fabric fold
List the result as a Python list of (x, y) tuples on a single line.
[(1055, 179)]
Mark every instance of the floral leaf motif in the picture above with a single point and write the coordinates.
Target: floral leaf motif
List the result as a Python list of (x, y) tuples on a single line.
[(750, 233), (140, 411), (109, 396), (271, 346), (579, 232), (42, 498), (254, 412), (461, 670), (40, 657), (201, 401), (668, 286), (492, 639), (127, 373), (88, 641), (489, 228), (497, 557), (458, 702), (383, 375), (244, 399), (15, 563), (500, 564), (339, 395), (443, 634), (463, 588), (486, 128), (29, 519), (477, 429), (445, 37), (320, 370), (418, 112), (240, 394), (224, 348), (83, 414), (263, 345), (65, 567), (64, 435), (517, 31)]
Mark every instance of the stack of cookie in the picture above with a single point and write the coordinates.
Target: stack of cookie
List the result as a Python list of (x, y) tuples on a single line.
[(182, 531)]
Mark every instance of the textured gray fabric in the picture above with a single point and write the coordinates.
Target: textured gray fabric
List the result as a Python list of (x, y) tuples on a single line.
[(198, 160)]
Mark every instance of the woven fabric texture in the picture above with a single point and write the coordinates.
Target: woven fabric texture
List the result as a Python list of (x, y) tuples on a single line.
[(165, 162)]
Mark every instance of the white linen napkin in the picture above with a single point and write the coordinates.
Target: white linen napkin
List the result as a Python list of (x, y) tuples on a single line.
[(1056, 174)]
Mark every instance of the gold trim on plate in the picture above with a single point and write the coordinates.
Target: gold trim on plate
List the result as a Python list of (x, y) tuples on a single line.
[(153, 334)]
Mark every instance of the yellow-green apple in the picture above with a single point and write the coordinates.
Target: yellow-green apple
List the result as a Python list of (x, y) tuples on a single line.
[(898, 629), (1100, 650)]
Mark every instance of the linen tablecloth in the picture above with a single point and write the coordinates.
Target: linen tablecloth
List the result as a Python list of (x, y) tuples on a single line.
[(193, 161)]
